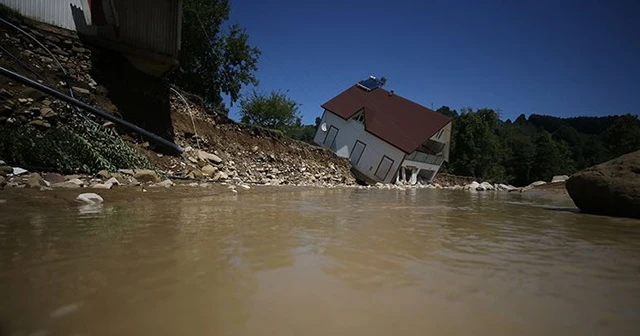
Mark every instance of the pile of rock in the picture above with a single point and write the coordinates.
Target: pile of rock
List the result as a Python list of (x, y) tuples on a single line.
[(22, 105), (486, 186)]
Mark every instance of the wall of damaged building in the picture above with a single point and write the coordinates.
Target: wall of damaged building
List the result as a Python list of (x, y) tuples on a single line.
[(54, 12), (149, 25), (350, 131)]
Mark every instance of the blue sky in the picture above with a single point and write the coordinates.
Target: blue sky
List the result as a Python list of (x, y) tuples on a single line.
[(561, 58)]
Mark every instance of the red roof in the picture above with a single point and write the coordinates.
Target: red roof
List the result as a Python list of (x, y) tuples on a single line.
[(392, 118)]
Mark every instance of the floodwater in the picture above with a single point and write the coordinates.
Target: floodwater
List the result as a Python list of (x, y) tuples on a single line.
[(319, 262)]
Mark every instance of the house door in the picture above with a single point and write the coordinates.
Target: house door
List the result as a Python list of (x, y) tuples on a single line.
[(384, 167), (356, 153), (331, 137)]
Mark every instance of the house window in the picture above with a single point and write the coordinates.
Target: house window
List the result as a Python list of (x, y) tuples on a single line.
[(356, 153), (360, 118), (330, 138), (384, 167)]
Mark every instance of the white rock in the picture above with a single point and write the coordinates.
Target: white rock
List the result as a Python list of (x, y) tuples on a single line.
[(126, 171), (102, 186), (537, 183), (559, 178), (245, 186), (113, 181), (166, 183), (505, 187), (486, 186), (77, 181), (19, 171), (89, 198), (208, 156), (472, 186)]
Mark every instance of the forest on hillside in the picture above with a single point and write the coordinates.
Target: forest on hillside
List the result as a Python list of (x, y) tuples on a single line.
[(535, 148)]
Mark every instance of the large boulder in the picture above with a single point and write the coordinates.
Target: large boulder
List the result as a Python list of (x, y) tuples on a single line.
[(611, 188)]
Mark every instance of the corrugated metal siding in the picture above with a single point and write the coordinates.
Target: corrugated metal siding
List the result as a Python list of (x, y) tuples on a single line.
[(151, 24), (54, 12), (146, 24)]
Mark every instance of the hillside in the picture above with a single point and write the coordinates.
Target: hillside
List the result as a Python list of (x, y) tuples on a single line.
[(41, 133)]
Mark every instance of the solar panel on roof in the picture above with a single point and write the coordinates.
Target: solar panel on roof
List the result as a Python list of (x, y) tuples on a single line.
[(369, 84)]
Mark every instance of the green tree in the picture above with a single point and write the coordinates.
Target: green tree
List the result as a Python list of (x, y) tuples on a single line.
[(623, 136), (215, 58), (477, 149), (275, 110)]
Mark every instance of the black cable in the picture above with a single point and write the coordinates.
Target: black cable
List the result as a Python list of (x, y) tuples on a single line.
[(100, 113), (21, 63)]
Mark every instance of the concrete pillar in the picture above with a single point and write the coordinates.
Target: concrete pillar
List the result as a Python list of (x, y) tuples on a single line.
[(414, 176)]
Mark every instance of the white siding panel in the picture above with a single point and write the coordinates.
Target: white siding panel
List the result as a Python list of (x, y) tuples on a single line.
[(54, 12), (153, 25), (349, 132)]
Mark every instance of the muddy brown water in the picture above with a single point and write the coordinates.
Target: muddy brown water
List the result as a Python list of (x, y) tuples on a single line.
[(318, 262)]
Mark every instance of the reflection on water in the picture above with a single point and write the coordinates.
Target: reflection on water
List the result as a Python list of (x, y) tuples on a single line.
[(320, 262)]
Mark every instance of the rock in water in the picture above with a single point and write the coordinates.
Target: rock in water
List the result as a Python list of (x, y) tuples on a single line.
[(89, 198), (611, 188), (472, 186), (36, 181), (166, 183), (53, 177), (146, 175)]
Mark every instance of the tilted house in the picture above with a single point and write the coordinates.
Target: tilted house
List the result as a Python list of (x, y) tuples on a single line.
[(381, 132)]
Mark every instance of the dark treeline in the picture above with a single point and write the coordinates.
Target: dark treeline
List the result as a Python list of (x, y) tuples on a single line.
[(535, 148)]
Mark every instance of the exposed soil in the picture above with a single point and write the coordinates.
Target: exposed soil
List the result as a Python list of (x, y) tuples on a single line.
[(105, 80)]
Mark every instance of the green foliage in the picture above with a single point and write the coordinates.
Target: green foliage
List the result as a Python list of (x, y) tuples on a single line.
[(623, 136), (215, 58), (476, 145), (275, 110), (79, 146), (524, 151)]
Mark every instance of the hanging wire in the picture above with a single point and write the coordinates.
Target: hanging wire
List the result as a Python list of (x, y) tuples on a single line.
[(195, 131)]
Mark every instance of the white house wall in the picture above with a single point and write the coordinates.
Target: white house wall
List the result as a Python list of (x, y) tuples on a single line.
[(152, 25), (348, 132), (54, 12)]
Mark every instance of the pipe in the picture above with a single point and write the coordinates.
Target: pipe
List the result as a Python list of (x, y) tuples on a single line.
[(91, 109)]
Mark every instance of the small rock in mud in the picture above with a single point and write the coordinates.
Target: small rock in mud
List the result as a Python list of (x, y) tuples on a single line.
[(146, 175), (166, 183), (4, 170), (71, 184), (101, 186), (209, 170), (113, 181), (53, 177), (209, 157), (36, 181), (16, 171)]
